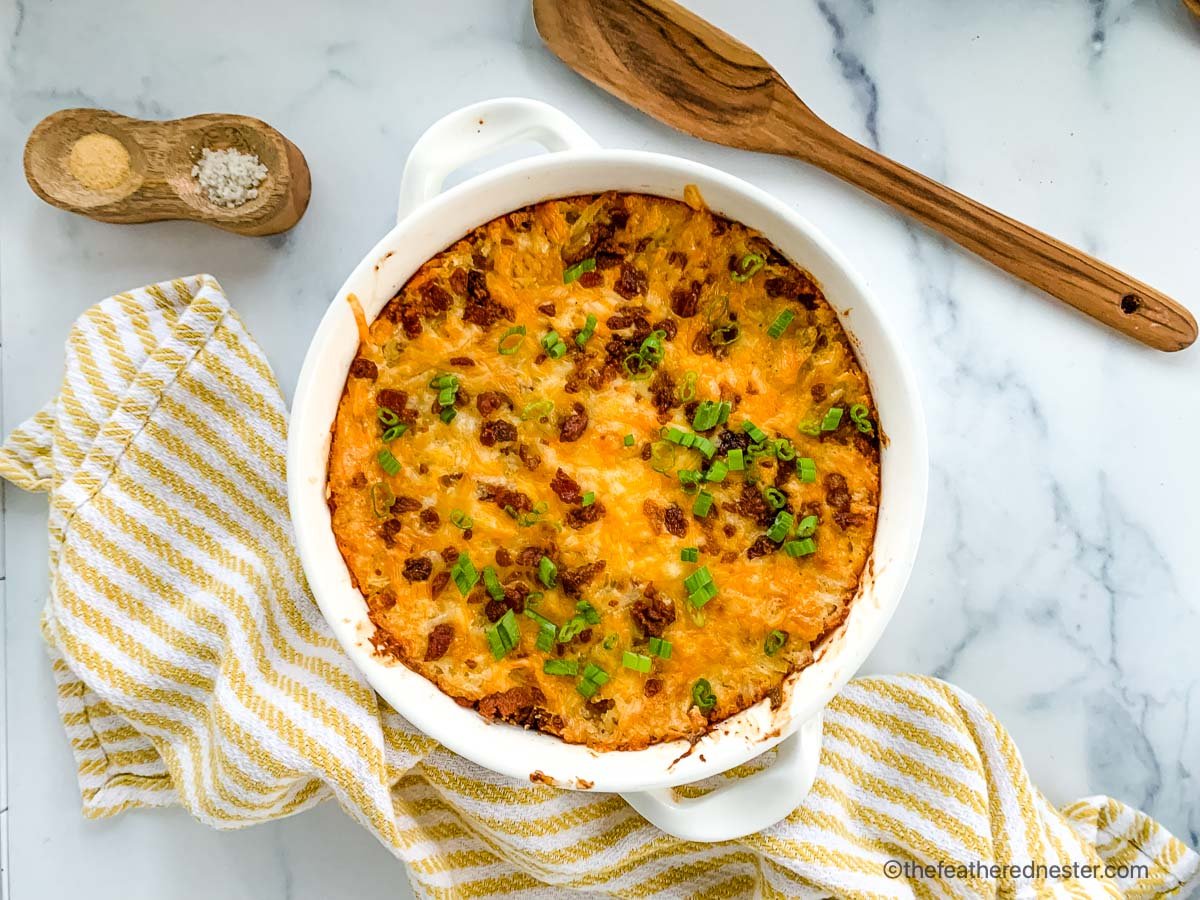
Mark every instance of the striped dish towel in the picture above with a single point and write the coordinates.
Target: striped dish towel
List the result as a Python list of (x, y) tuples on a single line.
[(193, 668)]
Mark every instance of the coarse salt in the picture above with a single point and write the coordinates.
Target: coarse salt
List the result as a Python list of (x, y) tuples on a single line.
[(229, 177)]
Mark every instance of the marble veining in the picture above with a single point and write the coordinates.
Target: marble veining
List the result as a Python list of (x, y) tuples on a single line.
[(1057, 578)]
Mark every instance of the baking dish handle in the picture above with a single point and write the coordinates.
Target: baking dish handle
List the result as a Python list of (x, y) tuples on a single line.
[(742, 806), (477, 130)]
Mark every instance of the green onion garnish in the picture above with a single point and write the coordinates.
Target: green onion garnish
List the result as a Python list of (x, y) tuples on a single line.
[(444, 380), (504, 635), (546, 636), (460, 519), (586, 332), (689, 554), (553, 345), (700, 587), (561, 667), (610, 642), (387, 462), (781, 526), (717, 471), (735, 460), (809, 427), (527, 519), (776, 498), (807, 526), (747, 267), (588, 612), (689, 480), (587, 688), (635, 661), (756, 434), (785, 450), (588, 499), (705, 446), (833, 418), (807, 469), (779, 326), (630, 440), (572, 273), (636, 368), (687, 388), (507, 346), (491, 581), (651, 349), (593, 672), (542, 621), (386, 416), (774, 642), (463, 574), (570, 628), (547, 572), (660, 647), (800, 548), (707, 414), (703, 503), (382, 499), (447, 414), (537, 410), (725, 334), (394, 432), (859, 415), (703, 696), (662, 456)]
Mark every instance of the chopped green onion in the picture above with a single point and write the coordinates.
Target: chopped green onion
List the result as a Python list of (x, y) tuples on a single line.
[(570, 628), (707, 414), (807, 469), (689, 480), (444, 380), (546, 636), (447, 415), (687, 388), (735, 460), (508, 347), (651, 349), (762, 448), (776, 498), (394, 432), (702, 595), (561, 667), (703, 503), (537, 410), (689, 554), (588, 612), (800, 548), (636, 661), (387, 462), (774, 642), (594, 673), (547, 572), (833, 418), (859, 415), (698, 579), (572, 273), (504, 635), (675, 435), (807, 526), (610, 642), (779, 326), (527, 519), (586, 332), (781, 526), (785, 450), (463, 574), (662, 456), (460, 519), (636, 367), (532, 599), (756, 434), (386, 416), (542, 621), (495, 642), (703, 696), (748, 266), (553, 345), (809, 427), (588, 499), (660, 647), (630, 440), (382, 499), (717, 471), (725, 334), (446, 396), (491, 581), (705, 446), (587, 688)]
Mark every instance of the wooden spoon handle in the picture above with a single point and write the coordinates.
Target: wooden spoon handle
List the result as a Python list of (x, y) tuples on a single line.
[(1091, 286)]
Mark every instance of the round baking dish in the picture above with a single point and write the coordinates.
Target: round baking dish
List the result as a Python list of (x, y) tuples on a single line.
[(428, 221)]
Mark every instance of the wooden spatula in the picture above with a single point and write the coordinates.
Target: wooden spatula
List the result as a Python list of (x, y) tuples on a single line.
[(676, 67)]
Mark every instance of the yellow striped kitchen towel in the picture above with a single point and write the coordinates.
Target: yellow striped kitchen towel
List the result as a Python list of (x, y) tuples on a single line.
[(193, 668)]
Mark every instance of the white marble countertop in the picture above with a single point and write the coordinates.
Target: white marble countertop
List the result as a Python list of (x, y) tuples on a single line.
[(1058, 572)]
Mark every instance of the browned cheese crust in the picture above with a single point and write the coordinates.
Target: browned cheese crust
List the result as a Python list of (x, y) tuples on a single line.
[(534, 463)]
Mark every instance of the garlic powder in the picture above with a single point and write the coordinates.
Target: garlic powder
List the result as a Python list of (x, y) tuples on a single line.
[(229, 177)]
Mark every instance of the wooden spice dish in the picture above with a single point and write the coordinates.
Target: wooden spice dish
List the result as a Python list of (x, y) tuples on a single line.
[(158, 183)]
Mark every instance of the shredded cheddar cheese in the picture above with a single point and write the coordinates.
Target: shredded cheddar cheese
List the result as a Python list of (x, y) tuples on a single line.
[(529, 559)]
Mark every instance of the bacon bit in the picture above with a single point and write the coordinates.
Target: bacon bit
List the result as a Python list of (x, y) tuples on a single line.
[(360, 318)]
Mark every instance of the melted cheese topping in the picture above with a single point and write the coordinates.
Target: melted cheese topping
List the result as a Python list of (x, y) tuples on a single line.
[(660, 267)]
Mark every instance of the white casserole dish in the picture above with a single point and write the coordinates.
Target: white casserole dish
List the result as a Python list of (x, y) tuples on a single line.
[(429, 220)]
